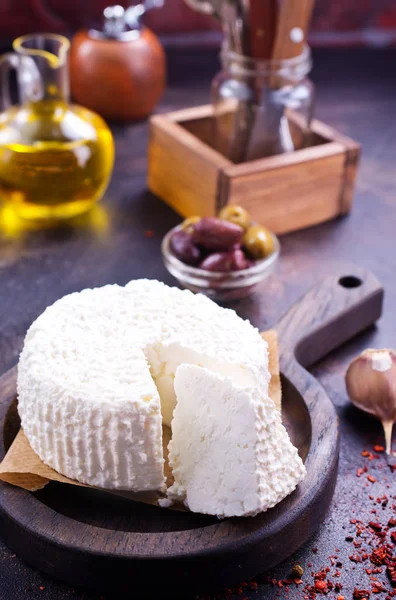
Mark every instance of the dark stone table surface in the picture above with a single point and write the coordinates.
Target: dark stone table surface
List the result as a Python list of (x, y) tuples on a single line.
[(356, 94)]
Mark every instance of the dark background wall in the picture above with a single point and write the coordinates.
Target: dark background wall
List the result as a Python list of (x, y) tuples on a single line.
[(340, 22)]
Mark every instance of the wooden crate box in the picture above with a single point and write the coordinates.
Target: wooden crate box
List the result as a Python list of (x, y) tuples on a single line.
[(285, 192)]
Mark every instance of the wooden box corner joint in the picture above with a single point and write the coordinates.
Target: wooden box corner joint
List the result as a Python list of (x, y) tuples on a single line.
[(286, 192)]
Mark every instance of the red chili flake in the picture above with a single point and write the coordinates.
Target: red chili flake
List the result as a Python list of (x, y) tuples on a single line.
[(360, 594), (298, 581), (320, 585), (392, 522), (149, 233), (377, 588), (253, 585), (378, 556), (42, 588), (375, 525), (356, 558), (321, 574), (314, 550), (359, 472), (371, 478), (365, 453), (340, 597), (378, 448)]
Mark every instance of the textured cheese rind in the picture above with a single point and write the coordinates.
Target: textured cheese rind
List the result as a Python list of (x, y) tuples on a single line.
[(88, 403), (230, 454)]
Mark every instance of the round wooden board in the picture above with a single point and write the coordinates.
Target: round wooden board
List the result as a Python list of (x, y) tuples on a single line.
[(92, 538)]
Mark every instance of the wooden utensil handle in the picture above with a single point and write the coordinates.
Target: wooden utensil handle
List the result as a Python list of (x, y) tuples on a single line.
[(330, 314), (263, 21)]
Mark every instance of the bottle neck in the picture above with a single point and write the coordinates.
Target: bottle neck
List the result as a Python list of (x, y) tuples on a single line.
[(285, 72), (40, 83), (43, 74)]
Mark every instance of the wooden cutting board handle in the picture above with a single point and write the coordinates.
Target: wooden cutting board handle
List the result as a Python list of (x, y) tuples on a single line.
[(331, 313)]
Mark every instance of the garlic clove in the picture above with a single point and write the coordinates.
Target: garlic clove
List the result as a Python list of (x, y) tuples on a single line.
[(371, 385)]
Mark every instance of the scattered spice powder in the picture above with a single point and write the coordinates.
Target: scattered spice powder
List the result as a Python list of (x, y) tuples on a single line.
[(370, 543)]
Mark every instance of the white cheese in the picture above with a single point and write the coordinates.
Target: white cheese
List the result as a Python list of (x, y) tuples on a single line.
[(230, 454), (95, 364)]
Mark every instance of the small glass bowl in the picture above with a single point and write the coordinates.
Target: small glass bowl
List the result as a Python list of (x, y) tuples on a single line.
[(222, 287)]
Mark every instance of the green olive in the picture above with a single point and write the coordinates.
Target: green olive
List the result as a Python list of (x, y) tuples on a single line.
[(258, 241), (235, 214), (188, 224)]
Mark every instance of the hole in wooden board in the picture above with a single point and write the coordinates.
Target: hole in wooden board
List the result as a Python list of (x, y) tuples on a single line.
[(350, 281)]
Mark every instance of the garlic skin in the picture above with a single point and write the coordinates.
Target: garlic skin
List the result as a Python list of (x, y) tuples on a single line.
[(371, 385)]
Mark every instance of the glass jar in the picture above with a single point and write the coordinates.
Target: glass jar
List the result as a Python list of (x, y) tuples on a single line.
[(262, 107)]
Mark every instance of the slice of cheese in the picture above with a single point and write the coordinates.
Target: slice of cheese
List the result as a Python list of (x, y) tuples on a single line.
[(230, 454), (98, 367)]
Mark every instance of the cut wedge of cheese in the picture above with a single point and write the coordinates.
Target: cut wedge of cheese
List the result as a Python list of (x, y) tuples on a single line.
[(230, 453)]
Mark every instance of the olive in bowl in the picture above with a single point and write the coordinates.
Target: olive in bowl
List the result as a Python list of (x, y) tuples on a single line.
[(225, 269)]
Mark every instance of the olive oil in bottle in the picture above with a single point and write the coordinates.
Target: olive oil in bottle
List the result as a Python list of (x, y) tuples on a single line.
[(55, 158)]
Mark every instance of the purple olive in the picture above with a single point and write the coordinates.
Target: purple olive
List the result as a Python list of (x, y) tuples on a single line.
[(216, 234), (240, 260), (225, 261), (184, 248)]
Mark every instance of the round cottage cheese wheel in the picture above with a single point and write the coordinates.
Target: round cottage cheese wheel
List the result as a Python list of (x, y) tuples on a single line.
[(96, 376)]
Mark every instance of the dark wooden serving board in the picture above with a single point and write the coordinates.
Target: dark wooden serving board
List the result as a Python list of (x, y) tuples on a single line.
[(91, 538)]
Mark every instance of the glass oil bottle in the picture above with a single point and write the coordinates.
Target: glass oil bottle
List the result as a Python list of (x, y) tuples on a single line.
[(56, 158)]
